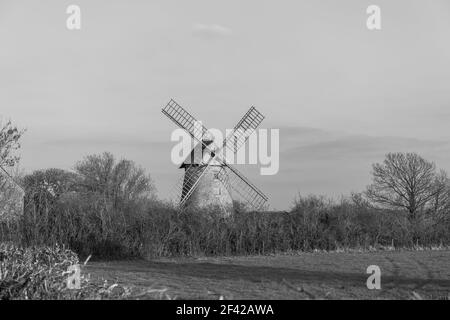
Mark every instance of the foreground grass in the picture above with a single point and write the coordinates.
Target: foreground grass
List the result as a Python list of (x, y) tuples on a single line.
[(43, 272), (339, 275)]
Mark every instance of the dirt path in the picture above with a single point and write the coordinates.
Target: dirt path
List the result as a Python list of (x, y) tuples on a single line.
[(303, 276)]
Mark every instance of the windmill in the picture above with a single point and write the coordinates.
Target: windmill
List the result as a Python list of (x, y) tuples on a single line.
[(209, 179)]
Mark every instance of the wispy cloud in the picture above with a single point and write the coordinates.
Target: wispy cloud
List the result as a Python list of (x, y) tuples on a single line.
[(212, 31), (104, 142), (366, 147)]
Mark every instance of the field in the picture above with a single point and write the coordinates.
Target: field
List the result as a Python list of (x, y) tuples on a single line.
[(404, 275)]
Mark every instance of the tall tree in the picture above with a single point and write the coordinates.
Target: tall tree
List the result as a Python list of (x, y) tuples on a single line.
[(403, 180), (115, 180)]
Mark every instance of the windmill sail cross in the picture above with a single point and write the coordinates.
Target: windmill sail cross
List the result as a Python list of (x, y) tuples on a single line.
[(232, 178)]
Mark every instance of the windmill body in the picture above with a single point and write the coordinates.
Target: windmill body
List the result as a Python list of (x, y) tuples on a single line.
[(210, 190)]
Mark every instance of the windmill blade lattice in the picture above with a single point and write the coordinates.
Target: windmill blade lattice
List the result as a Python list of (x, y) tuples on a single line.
[(243, 187), (184, 120), (184, 187), (242, 131)]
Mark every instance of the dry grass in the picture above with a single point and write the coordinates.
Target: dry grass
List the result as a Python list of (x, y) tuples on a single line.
[(42, 273), (333, 275)]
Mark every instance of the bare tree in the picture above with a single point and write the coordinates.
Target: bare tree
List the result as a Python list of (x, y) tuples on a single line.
[(440, 204), (403, 180), (11, 194), (116, 181), (9, 143)]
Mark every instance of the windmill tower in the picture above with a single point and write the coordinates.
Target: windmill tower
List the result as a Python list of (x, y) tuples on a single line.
[(210, 191), (208, 179)]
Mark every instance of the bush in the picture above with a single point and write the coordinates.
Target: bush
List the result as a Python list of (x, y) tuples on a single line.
[(107, 209), (42, 273), (89, 225)]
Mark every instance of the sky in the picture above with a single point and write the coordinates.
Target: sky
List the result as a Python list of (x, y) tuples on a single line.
[(341, 96)]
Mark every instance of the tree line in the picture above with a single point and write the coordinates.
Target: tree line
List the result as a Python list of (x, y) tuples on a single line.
[(108, 207)]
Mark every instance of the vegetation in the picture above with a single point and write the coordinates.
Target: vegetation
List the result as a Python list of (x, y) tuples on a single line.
[(90, 225), (407, 181), (108, 209), (42, 273), (406, 274), (9, 144)]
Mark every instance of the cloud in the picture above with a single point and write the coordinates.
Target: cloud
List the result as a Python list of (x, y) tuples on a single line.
[(105, 142), (307, 143), (212, 31), (366, 147), (295, 137)]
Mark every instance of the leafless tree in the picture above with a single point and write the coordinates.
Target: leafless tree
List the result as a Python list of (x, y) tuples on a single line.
[(403, 180), (440, 204), (117, 181), (9, 143), (11, 194)]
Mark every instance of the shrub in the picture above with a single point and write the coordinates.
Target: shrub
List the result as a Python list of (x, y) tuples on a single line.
[(107, 209), (89, 225), (41, 273)]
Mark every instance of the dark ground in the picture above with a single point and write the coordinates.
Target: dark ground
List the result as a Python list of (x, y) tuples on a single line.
[(404, 275)]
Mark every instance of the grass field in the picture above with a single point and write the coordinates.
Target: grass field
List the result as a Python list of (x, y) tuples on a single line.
[(404, 275)]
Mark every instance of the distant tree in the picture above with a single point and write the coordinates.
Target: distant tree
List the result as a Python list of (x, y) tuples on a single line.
[(440, 203), (44, 187), (115, 180), (11, 195), (9, 143), (403, 180), (54, 181)]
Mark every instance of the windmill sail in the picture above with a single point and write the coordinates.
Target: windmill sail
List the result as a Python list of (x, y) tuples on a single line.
[(239, 184), (245, 127), (184, 120), (191, 178)]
